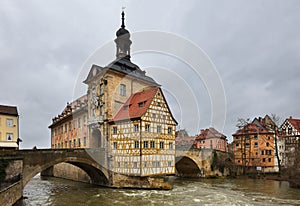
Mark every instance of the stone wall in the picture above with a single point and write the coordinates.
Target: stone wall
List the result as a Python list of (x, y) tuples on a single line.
[(124, 181), (70, 172), (11, 194)]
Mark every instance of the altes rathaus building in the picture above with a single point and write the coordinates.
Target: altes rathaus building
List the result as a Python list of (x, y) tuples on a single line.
[(124, 112)]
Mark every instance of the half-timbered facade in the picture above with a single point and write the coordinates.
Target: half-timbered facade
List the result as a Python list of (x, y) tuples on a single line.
[(290, 136), (142, 139)]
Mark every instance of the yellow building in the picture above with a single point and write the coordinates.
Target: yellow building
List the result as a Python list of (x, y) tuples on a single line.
[(9, 127)]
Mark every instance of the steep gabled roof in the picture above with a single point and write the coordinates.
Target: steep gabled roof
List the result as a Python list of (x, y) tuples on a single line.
[(137, 105), (210, 133), (8, 110), (252, 128), (295, 123)]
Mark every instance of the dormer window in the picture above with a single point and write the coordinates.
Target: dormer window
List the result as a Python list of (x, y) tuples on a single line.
[(126, 107), (141, 104)]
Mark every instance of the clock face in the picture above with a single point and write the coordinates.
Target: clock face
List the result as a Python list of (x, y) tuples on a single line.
[(94, 72)]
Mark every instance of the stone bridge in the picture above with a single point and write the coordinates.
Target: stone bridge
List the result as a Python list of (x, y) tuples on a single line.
[(200, 163), (23, 165)]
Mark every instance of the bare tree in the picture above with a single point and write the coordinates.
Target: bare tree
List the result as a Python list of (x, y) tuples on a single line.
[(276, 120), (241, 125)]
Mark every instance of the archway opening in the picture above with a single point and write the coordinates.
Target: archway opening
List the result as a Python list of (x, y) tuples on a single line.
[(186, 167)]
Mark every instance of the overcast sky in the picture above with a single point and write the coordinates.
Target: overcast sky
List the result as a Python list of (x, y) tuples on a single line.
[(255, 46)]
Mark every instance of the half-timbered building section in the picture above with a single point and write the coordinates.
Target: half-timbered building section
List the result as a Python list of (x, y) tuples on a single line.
[(142, 135), (69, 129), (290, 135)]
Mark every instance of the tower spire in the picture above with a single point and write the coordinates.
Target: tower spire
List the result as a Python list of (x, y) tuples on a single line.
[(123, 18), (123, 41)]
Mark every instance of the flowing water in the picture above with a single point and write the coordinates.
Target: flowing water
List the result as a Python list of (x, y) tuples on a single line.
[(53, 191)]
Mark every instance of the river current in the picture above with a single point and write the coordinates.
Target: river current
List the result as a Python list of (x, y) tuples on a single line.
[(59, 192)]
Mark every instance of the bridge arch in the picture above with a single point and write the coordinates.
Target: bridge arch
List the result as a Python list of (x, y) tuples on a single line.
[(187, 166), (97, 173)]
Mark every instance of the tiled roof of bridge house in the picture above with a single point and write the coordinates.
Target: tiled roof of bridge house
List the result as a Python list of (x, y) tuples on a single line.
[(136, 105)]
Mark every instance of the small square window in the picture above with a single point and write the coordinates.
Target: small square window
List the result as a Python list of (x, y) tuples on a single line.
[(141, 104), (9, 136), (152, 144), (136, 128), (115, 144), (158, 129), (145, 144), (114, 130), (161, 145), (9, 122), (147, 127), (136, 144)]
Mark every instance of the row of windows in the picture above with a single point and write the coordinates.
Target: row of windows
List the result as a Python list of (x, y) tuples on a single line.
[(249, 137), (290, 130), (247, 144), (253, 159), (68, 126), (155, 164), (71, 144), (147, 145), (147, 129)]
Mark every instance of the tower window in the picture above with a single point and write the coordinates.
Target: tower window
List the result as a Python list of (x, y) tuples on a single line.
[(123, 90), (101, 89)]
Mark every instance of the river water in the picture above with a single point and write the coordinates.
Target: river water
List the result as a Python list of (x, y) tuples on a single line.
[(53, 191)]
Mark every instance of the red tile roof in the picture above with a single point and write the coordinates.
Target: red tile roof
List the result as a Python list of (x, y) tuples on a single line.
[(295, 123), (137, 105), (9, 110), (210, 133), (251, 128)]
